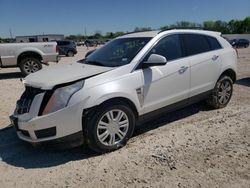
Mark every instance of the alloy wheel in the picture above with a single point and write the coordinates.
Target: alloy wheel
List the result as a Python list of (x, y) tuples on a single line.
[(112, 127), (225, 92), (30, 66)]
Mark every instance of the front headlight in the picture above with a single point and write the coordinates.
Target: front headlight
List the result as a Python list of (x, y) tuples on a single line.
[(61, 96)]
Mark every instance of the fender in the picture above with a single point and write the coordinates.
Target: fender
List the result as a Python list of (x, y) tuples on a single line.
[(94, 97), (109, 96), (28, 49)]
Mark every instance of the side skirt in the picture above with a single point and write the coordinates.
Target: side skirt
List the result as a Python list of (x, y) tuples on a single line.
[(173, 107)]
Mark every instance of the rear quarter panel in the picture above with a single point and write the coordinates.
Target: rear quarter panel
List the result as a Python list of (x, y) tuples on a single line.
[(228, 56)]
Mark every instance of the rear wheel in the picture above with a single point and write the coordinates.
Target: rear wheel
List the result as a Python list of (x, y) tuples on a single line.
[(222, 93), (30, 65), (70, 53), (110, 127)]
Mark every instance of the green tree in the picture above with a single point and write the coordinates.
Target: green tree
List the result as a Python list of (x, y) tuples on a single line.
[(245, 25), (139, 29)]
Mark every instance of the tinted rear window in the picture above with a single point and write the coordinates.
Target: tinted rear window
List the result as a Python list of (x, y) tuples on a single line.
[(195, 44), (214, 44), (63, 43)]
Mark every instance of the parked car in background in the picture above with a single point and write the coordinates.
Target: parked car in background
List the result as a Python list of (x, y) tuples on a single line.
[(90, 43), (67, 47), (28, 56), (132, 78), (80, 43), (239, 43)]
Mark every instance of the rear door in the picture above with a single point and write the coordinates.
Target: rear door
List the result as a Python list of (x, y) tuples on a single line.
[(205, 61)]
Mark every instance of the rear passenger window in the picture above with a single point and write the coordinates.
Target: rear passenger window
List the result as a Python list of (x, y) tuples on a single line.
[(169, 47), (214, 44), (195, 44), (63, 43)]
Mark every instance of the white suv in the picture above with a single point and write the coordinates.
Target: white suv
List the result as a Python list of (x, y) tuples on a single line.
[(100, 99)]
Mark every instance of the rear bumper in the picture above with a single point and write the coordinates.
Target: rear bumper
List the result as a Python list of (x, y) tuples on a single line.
[(53, 57)]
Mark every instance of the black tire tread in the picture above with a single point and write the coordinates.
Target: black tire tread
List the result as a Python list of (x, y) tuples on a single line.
[(22, 62), (90, 123), (213, 99)]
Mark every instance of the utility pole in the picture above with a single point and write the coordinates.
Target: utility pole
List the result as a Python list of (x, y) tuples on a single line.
[(11, 34), (85, 31)]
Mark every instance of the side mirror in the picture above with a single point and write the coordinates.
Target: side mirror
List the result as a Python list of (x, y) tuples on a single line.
[(155, 60)]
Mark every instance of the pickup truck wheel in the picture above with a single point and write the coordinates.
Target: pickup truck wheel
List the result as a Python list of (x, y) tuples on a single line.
[(30, 65), (70, 53), (221, 93), (109, 128)]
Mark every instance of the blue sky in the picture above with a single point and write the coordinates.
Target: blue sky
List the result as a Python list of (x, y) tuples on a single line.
[(26, 17)]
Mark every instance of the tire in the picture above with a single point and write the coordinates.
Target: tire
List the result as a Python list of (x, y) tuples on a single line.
[(30, 65), (70, 53), (98, 128), (221, 93)]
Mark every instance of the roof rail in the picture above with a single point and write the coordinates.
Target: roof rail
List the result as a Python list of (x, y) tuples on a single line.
[(137, 32), (171, 28)]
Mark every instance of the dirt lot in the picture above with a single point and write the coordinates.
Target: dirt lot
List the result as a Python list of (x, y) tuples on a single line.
[(193, 147)]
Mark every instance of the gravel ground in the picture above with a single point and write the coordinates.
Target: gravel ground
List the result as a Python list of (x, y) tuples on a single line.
[(192, 147)]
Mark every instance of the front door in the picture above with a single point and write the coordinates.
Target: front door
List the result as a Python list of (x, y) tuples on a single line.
[(168, 84)]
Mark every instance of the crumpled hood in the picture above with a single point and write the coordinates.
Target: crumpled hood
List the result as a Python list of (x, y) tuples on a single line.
[(49, 77)]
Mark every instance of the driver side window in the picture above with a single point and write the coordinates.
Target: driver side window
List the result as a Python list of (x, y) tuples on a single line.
[(169, 47)]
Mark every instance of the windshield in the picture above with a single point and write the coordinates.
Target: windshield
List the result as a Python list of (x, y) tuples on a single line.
[(117, 52)]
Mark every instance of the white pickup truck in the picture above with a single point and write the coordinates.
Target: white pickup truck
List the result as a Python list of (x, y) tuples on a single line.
[(28, 56)]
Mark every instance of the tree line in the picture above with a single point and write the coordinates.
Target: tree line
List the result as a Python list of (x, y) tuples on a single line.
[(231, 27)]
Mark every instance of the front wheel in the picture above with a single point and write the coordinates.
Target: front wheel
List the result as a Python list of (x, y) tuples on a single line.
[(30, 65), (221, 93), (110, 127)]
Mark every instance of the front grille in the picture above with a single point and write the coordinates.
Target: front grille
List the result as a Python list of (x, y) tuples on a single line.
[(24, 103), (23, 106)]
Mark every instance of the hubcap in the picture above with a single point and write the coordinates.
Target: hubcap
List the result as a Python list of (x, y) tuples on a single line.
[(225, 91), (31, 66), (112, 127)]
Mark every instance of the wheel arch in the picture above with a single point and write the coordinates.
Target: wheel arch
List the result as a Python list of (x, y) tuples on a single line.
[(231, 73), (28, 54), (115, 100), (125, 101)]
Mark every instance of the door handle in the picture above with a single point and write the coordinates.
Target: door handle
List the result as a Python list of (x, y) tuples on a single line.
[(182, 69), (215, 57)]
